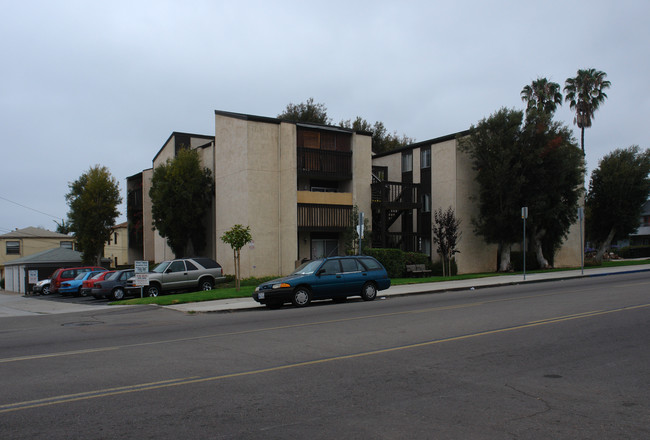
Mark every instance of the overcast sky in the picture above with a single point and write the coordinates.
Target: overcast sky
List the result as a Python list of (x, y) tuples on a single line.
[(89, 82)]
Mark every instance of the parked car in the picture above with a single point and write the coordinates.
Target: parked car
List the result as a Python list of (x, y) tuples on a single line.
[(42, 287), (327, 278), (181, 274), (69, 273), (87, 285), (113, 285), (74, 286)]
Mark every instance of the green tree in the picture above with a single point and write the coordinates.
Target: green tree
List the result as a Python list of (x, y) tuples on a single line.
[(494, 146), (350, 236), (554, 170), (237, 237), (542, 95), (93, 201), (446, 234), (585, 93), (63, 227), (181, 194), (617, 191), (308, 111), (382, 140)]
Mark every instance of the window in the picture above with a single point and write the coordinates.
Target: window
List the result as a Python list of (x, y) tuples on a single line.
[(13, 248), (177, 266), (330, 267), (350, 265), (425, 158), (426, 202), (370, 263), (407, 162), (190, 266)]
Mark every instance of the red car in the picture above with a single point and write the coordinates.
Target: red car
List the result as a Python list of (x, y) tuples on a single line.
[(68, 273), (88, 284)]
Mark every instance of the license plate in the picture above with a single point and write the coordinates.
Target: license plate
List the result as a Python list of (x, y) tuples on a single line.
[(260, 295)]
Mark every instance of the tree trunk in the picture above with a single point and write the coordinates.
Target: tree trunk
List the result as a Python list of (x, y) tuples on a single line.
[(582, 139), (604, 246), (537, 248), (505, 265), (236, 274)]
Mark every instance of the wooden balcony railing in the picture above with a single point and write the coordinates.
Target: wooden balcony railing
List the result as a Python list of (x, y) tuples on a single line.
[(325, 162), (324, 217)]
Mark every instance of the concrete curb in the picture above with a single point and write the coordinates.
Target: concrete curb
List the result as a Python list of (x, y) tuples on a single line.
[(242, 304)]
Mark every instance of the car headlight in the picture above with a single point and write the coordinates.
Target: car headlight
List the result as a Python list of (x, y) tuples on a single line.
[(281, 285)]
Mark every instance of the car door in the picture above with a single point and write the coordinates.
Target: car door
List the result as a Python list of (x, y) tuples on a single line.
[(353, 276), (175, 276), (327, 280)]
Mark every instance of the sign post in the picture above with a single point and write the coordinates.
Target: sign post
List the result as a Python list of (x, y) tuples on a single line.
[(581, 216), (524, 215), (141, 275), (360, 230)]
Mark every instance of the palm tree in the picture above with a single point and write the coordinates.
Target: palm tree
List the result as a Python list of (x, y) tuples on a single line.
[(542, 95), (585, 94)]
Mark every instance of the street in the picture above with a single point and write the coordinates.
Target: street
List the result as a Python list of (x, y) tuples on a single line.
[(560, 359)]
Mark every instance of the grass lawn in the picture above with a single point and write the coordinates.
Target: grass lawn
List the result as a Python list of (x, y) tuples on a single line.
[(227, 290)]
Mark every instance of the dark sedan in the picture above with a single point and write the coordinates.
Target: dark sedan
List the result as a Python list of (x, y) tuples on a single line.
[(335, 278), (113, 286)]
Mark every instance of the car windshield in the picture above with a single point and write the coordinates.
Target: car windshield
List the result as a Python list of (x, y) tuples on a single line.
[(112, 276), (161, 267), (81, 276), (307, 268)]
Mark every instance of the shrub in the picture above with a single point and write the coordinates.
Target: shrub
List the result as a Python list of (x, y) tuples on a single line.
[(392, 259), (417, 258), (634, 252)]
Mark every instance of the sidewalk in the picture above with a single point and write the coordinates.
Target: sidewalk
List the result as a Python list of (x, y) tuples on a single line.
[(235, 304)]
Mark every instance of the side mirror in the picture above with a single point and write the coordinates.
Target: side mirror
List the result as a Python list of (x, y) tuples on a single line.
[(320, 272)]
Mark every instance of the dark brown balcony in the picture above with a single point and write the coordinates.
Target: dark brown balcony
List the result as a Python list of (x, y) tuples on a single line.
[(325, 163), (313, 217)]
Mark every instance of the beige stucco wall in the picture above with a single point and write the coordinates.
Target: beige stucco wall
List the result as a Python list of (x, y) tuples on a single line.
[(162, 251), (29, 246), (118, 251), (255, 179), (362, 174)]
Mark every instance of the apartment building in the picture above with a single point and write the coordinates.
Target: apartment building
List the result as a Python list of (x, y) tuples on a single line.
[(296, 185), (412, 182)]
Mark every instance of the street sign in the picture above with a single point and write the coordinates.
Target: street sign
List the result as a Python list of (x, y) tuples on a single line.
[(141, 266), (141, 279)]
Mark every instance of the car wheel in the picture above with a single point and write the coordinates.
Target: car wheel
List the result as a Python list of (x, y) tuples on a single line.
[(369, 292), (46, 290), (153, 291), (301, 297), (118, 294), (206, 285)]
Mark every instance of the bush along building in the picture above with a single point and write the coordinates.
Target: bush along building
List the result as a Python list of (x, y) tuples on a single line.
[(297, 184)]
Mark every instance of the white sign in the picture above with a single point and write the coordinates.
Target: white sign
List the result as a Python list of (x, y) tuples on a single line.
[(33, 277), (141, 279), (141, 266)]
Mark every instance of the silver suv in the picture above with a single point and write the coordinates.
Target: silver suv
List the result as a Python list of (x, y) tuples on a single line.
[(181, 274)]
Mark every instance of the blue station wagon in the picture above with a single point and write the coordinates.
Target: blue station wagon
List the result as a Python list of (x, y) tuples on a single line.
[(335, 278)]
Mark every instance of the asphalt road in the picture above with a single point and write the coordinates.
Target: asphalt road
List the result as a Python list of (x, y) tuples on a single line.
[(567, 359)]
